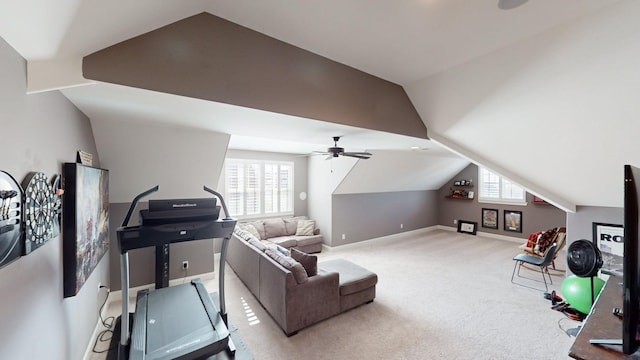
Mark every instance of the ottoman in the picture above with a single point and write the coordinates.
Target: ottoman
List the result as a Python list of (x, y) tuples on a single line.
[(357, 284)]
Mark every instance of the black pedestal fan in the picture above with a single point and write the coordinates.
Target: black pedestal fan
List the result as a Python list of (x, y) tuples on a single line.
[(584, 260)]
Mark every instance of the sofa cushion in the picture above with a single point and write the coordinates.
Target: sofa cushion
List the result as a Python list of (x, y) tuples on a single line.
[(257, 243), (243, 234), (274, 228), (298, 271), (302, 241), (259, 227), (291, 224), (284, 241), (309, 262), (306, 227), (252, 229), (353, 278)]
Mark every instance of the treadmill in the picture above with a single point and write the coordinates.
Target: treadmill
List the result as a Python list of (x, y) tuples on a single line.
[(178, 322)]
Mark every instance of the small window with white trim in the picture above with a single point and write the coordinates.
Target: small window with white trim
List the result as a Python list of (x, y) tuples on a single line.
[(493, 188)]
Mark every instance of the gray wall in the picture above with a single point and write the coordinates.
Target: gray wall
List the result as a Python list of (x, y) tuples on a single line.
[(39, 133), (580, 224), (366, 216), (200, 254), (535, 217)]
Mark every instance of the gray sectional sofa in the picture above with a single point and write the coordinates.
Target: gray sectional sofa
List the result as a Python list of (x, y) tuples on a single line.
[(289, 232), (294, 294)]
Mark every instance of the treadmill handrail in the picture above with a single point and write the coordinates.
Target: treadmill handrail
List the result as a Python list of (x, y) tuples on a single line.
[(125, 222), (224, 205)]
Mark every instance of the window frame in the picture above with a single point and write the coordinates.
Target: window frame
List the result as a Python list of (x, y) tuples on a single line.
[(262, 193), (501, 180)]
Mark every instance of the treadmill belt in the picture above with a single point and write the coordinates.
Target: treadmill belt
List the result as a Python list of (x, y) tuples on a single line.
[(169, 325), (174, 322)]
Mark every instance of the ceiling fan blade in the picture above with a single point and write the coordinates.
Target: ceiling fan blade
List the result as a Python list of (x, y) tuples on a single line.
[(359, 155)]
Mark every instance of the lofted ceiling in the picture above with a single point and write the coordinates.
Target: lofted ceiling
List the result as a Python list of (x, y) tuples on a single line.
[(506, 89)]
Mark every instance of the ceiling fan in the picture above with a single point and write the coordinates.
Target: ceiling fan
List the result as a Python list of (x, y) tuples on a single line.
[(336, 151)]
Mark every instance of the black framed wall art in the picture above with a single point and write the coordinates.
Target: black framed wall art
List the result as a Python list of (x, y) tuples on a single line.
[(513, 221), (467, 227), (490, 218), (609, 238), (85, 213)]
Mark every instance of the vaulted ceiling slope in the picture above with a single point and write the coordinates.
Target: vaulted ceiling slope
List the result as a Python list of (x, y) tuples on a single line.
[(210, 58), (557, 113), (476, 74)]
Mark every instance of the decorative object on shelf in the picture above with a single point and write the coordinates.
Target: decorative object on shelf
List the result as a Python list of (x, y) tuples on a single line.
[(84, 158), (457, 193), (86, 223), (539, 200), (463, 182), (609, 239), (490, 218), (39, 214), (10, 219), (467, 227), (513, 221)]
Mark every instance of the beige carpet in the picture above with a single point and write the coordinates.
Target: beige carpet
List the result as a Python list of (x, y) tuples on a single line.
[(440, 295)]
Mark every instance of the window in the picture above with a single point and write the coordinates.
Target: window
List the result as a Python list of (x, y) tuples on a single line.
[(254, 187), (496, 189)]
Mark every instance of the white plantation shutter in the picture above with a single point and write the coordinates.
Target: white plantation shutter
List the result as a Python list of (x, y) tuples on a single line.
[(255, 187), (270, 188), (234, 180), (286, 188), (496, 189)]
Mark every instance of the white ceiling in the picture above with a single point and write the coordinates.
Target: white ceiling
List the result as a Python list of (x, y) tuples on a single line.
[(428, 46)]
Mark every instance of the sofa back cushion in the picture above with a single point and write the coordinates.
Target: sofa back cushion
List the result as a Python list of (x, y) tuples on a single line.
[(252, 229), (298, 271), (274, 228), (259, 226), (291, 224)]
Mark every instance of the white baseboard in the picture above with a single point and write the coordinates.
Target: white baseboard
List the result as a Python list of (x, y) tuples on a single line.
[(382, 238), (486, 234)]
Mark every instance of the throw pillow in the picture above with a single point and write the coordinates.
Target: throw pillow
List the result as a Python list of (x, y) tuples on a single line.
[(259, 226), (290, 225), (257, 243), (243, 234), (305, 227), (274, 228), (252, 229), (288, 263), (309, 262), (283, 250)]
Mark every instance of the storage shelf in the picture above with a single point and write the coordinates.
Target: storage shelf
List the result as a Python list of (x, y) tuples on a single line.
[(457, 197)]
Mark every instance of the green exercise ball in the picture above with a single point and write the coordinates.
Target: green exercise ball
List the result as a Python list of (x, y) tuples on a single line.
[(575, 291)]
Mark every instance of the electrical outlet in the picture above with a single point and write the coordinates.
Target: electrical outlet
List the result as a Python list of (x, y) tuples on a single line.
[(401, 226), (344, 236), (185, 265), (455, 222)]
